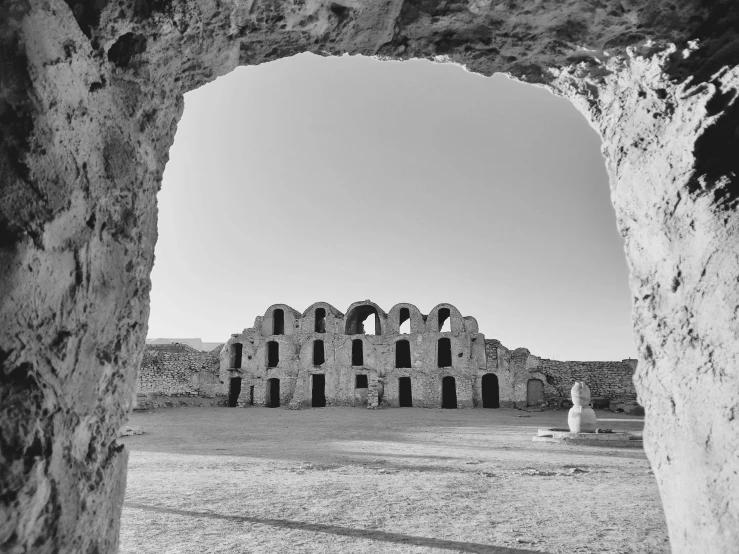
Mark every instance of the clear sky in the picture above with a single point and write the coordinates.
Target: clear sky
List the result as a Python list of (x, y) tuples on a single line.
[(344, 179)]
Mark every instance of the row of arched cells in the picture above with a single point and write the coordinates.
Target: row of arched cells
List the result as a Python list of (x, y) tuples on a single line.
[(358, 314), (490, 391), (402, 353)]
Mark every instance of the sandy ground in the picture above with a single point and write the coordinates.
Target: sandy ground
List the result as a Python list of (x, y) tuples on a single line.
[(231, 480)]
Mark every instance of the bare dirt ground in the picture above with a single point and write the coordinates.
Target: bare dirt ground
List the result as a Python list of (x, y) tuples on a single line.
[(228, 480)]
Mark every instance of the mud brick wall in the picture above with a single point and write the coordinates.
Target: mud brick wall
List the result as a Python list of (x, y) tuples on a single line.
[(178, 370)]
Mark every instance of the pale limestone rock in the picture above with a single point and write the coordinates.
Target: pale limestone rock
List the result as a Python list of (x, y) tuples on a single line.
[(90, 99)]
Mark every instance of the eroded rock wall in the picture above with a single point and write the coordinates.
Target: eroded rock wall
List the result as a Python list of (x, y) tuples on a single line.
[(90, 98)]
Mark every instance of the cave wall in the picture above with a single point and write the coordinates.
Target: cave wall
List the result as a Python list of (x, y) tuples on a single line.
[(90, 96)]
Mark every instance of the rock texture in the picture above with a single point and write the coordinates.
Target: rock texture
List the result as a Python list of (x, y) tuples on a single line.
[(90, 96)]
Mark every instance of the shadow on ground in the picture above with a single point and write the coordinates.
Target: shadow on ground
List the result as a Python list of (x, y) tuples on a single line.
[(369, 534)]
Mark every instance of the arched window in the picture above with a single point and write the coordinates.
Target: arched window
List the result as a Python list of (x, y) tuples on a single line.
[(444, 321), (402, 353), (273, 353), (444, 352), (278, 322), (236, 353), (404, 321), (320, 326), (319, 355), (357, 352)]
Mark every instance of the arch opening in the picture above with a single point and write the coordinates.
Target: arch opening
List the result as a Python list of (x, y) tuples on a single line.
[(278, 322), (320, 320), (534, 392), (318, 390), (444, 352), (445, 325), (357, 352), (404, 321), (360, 321), (273, 353), (490, 391), (448, 393), (234, 390), (405, 394), (236, 355), (403, 354), (273, 393), (319, 354)]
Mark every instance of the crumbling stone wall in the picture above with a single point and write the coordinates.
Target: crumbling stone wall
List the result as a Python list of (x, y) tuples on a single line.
[(514, 369), (610, 380), (179, 370), (296, 367)]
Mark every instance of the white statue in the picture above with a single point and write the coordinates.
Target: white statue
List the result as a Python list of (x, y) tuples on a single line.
[(581, 418)]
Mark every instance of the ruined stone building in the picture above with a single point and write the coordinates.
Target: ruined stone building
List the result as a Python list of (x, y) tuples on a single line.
[(322, 357)]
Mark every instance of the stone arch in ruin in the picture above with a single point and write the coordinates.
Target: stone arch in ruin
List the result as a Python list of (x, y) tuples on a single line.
[(90, 98)]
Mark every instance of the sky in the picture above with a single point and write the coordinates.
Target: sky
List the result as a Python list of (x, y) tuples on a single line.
[(343, 179)]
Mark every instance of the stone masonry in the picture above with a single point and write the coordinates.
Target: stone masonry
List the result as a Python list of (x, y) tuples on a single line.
[(179, 370), (323, 357)]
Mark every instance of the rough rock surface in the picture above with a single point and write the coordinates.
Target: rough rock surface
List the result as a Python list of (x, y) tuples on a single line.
[(90, 96)]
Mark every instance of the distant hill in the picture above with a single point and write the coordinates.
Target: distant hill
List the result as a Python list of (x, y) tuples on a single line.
[(197, 344)]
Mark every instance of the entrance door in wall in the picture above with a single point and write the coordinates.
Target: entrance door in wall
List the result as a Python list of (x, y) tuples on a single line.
[(534, 392), (490, 391), (234, 390), (319, 391), (448, 393), (405, 396), (273, 393)]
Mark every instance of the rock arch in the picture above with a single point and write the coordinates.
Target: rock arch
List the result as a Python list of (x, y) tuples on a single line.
[(91, 100)]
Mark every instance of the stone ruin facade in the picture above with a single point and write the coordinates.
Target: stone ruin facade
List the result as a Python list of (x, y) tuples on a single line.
[(322, 357)]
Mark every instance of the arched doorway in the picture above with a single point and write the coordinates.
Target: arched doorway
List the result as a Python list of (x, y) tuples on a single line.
[(405, 395), (318, 396), (273, 393), (490, 391), (234, 390), (534, 392), (448, 393)]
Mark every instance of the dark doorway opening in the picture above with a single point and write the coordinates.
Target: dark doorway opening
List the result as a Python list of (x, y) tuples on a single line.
[(320, 326), (361, 382), (444, 323), (402, 353), (273, 353), (319, 391), (273, 393), (405, 396), (534, 392), (278, 322), (357, 352), (404, 321), (448, 393), (251, 395), (319, 354), (236, 352), (234, 390), (490, 391), (444, 352)]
